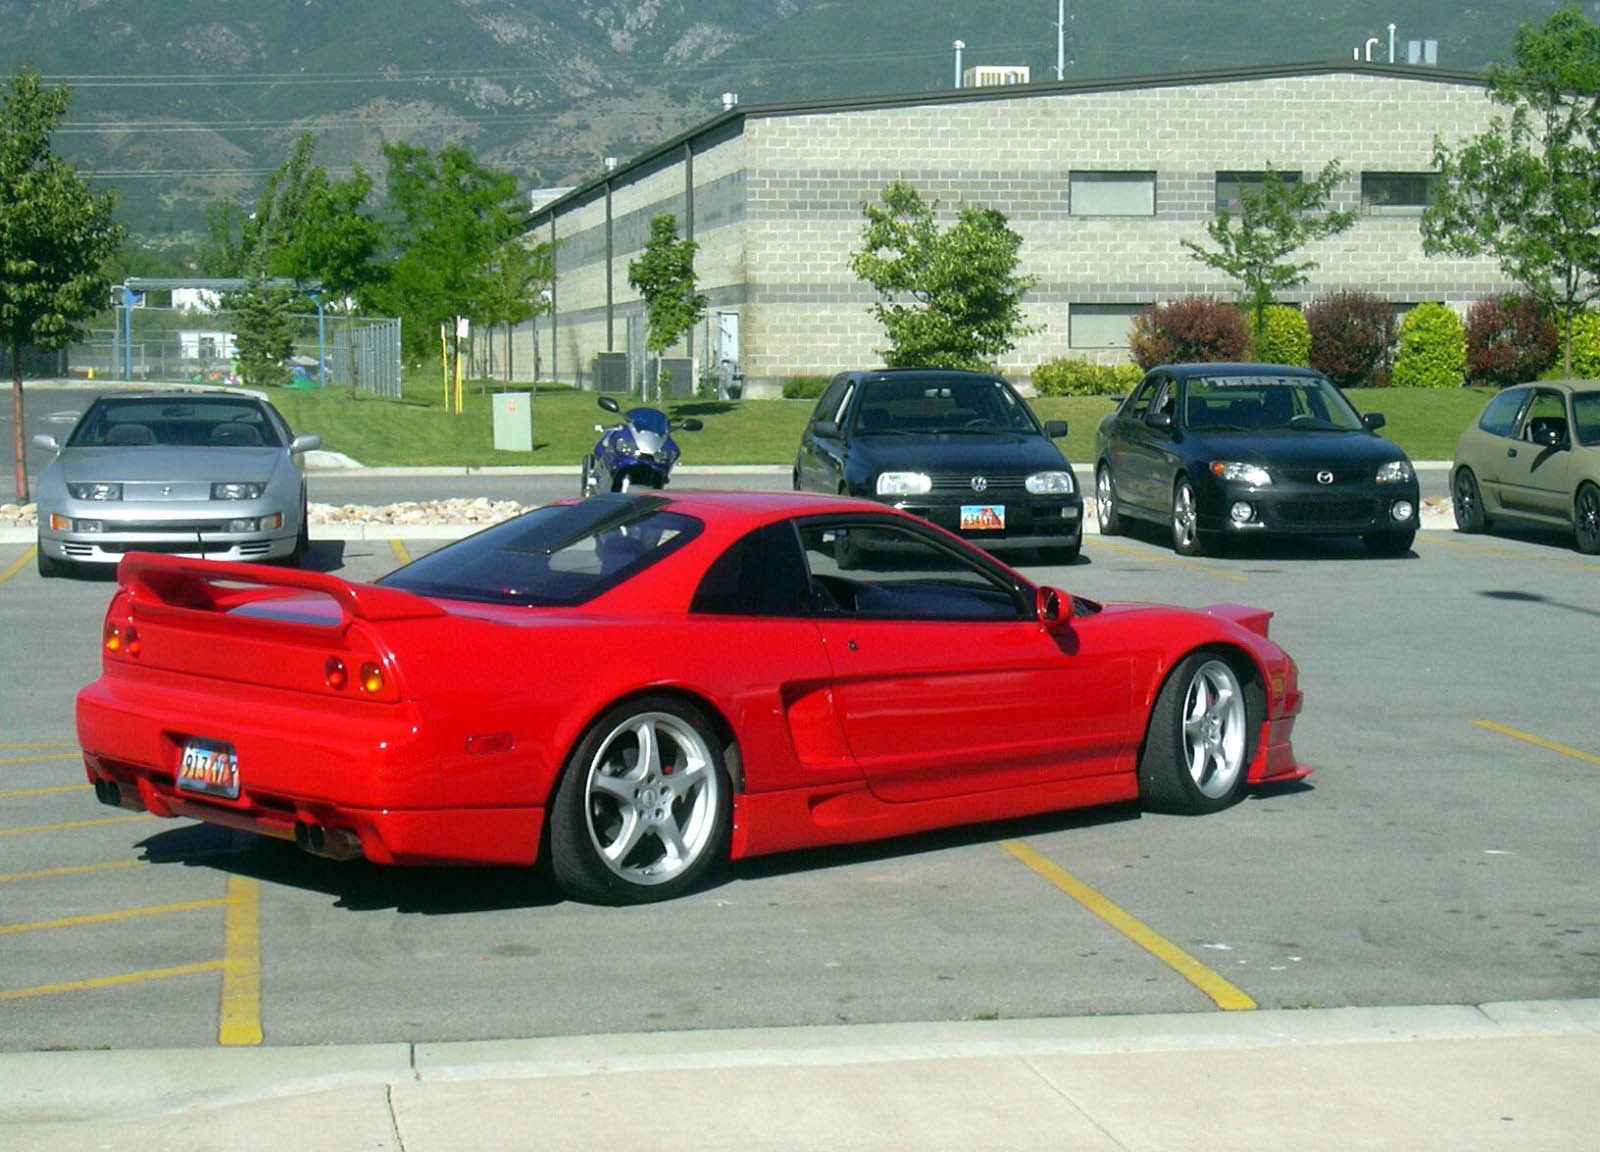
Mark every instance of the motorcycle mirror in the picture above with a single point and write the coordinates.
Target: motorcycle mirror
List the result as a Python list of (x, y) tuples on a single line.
[(609, 404), (692, 424)]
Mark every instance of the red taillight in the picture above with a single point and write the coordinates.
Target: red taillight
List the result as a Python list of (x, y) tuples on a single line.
[(336, 674), (123, 638), (371, 679)]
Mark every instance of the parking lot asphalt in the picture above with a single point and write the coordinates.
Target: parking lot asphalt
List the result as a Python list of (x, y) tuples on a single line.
[(1440, 859)]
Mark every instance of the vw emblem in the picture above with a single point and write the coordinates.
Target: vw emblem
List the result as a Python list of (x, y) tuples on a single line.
[(979, 483), (166, 489), (1324, 477)]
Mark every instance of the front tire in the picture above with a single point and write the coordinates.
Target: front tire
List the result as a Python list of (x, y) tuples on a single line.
[(1105, 502), (587, 482), (1201, 738), (643, 806), (1187, 539), (1586, 519), (49, 567), (1468, 503)]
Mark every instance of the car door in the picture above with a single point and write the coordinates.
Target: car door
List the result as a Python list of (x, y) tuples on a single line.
[(820, 464), (1534, 472), (945, 682), (1148, 451), (1128, 422)]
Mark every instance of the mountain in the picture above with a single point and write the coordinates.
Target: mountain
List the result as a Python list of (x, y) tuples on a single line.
[(179, 103)]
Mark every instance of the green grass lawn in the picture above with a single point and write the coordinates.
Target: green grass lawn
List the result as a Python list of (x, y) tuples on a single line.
[(419, 430)]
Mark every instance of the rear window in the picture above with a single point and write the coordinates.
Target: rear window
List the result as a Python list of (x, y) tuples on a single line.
[(560, 555)]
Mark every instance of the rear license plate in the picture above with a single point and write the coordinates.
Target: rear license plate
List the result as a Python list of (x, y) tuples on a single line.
[(983, 517), (209, 768)]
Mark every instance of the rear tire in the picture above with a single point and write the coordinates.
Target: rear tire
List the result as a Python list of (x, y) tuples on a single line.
[(1586, 519), (643, 807), (1468, 503), (1201, 739)]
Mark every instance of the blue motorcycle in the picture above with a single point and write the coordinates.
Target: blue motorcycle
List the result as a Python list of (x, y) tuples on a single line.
[(639, 452)]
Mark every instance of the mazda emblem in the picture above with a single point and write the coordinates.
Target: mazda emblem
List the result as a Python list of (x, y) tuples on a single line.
[(979, 483), (1324, 477)]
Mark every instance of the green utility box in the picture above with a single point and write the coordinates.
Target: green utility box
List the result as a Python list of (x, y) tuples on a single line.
[(513, 421)]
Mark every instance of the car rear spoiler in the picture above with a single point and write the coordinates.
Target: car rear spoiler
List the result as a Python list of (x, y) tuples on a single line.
[(179, 582), (1252, 619)]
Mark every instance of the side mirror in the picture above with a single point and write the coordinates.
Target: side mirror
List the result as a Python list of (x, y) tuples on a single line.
[(307, 443), (46, 441), (1373, 421), (692, 424), (1161, 420), (1055, 429), (1052, 607), (609, 404), (825, 428)]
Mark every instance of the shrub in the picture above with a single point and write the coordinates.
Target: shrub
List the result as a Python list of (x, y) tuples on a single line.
[(1193, 329), (804, 387), (1433, 349), (1586, 346), (1509, 341), (1083, 378), (1352, 338), (1285, 338)]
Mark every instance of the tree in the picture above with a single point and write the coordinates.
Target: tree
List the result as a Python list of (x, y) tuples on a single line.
[(664, 275), (56, 234), (946, 299), (1527, 191), (263, 330), (450, 216), (513, 289), (1275, 220)]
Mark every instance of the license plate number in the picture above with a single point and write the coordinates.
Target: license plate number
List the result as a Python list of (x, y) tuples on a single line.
[(209, 768), (983, 517)]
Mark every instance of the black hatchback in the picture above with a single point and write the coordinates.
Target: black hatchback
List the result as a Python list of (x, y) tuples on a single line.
[(960, 449), (1228, 451)]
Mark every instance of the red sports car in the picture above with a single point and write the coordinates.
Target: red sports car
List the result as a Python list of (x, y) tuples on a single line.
[(634, 686)]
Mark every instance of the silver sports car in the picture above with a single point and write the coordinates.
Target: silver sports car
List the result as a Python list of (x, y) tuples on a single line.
[(196, 473)]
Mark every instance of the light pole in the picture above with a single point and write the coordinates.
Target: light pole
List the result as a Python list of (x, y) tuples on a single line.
[(1061, 39), (958, 46)]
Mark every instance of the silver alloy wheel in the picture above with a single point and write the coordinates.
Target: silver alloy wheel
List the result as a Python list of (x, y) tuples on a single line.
[(1214, 729), (651, 798), (1185, 518), (1103, 505)]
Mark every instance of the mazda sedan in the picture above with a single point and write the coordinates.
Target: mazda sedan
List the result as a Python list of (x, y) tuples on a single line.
[(1220, 452), (211, 473)]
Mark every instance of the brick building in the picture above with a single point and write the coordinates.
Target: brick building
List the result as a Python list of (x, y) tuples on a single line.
[(1102, 179)]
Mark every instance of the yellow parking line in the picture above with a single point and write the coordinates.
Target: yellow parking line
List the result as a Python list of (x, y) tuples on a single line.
[(1548, 745), (74, 870), (55, 759), (109, 917), (1225, 995), (111, 981), (1507, 553), (62, 747), (1146, 554), (400, 551), (58, 790), (241, 973), (70, 827), (17, 565)]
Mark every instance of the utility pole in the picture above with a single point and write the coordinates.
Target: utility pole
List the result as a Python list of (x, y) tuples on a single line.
[(1061, 39)]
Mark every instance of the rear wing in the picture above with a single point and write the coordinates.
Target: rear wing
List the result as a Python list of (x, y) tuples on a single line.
[(157, 584)]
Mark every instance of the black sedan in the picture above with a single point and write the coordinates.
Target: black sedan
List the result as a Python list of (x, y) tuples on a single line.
[(1227, 451), (960, 449)]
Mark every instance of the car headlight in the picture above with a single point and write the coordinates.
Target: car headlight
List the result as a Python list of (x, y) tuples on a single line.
[(904, 483), (1396, 472), (1252, 474), (95, 491), (227, 491), (1051, 484)]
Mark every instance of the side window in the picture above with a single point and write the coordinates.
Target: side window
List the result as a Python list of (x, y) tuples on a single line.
[(1546, 421), (828, 404), (888, 571), (1500, 417), (1166, 399), (761, 575), (1139, 402)]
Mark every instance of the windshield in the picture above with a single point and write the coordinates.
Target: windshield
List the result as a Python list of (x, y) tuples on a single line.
[(562, 554), (648, 420), (1586, 417), (210, 422), (1248, 402), (930, 405)]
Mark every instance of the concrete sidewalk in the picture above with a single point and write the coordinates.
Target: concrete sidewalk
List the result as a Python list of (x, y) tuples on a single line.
[(1520, 1076)]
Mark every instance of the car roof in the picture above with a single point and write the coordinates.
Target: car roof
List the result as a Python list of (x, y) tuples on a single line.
[(921, 374), (1237, 369)]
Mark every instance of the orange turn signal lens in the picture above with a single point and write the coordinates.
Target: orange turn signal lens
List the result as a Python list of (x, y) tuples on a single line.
[(335, 673), (122, 638), (371, 679)]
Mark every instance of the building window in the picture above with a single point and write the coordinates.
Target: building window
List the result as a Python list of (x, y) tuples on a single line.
[(1113, 194), (1397, 193), (1100, 325), (1230, 184)]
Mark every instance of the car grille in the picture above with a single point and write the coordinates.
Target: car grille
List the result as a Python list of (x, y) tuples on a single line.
[(960, 484), (1331, 510)]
